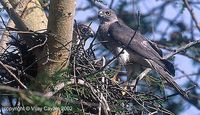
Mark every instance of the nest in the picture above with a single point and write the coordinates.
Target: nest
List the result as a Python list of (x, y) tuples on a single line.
[(88, 80)]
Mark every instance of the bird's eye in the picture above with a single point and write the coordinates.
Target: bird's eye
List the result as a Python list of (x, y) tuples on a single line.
[(84, 30), (107, 13)]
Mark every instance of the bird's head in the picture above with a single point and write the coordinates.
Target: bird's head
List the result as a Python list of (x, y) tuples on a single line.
[(85, 31), (107, 15)]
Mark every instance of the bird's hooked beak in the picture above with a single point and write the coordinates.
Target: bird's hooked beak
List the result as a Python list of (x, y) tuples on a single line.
[(100, 14), (92, 34)]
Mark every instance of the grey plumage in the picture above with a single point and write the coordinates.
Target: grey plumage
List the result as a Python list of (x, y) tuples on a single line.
[(139, 45), (138, 51)]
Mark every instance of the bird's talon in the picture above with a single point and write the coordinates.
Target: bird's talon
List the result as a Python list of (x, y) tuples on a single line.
[(114, 79), (124, 90)]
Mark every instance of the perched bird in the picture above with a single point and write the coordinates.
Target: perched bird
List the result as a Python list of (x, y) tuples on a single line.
[(136, 52), (81, 34), (83, 59)]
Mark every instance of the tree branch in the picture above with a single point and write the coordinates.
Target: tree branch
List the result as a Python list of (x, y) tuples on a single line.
[(13, 75), (14, 15), (19, 8), (192, 13)]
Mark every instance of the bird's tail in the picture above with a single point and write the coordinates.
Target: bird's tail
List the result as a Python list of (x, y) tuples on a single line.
[(166, 75), (169, 67)]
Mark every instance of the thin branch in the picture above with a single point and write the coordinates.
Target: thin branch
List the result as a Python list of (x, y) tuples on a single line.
[(13, 75), (192, 13), (14, 15), (111, 4), (182, 48), (39, 45), (197, 59)]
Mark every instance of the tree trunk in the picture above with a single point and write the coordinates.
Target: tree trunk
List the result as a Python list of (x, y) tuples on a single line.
[(60, 29)]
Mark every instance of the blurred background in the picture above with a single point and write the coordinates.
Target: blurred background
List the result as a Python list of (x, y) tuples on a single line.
[(168, 23)]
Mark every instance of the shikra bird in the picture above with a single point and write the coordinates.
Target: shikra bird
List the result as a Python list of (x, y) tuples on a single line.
[(135, 50), (81, 34)]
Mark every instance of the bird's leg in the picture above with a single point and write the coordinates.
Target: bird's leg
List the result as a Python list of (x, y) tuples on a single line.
[(133, 85), (115, 78), (133, 70), (125, 87), (139, 77)]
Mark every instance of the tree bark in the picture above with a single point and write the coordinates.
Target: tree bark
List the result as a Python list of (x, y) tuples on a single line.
[(14, 3), (60, 28)]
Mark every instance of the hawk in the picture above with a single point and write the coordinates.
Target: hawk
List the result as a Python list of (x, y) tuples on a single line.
[(134, 51), (83, 59), (81, 34)]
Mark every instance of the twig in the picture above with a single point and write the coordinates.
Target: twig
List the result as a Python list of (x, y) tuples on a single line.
[(183, 76), (181, 53), (182, 48), (111, 4), (14, 15), (13, 75), (39, 45), (129, 94), (103, 101), (192, 82), (192, 13)]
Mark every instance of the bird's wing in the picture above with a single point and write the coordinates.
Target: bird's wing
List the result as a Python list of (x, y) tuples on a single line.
[(123, 34), (156, 48)]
